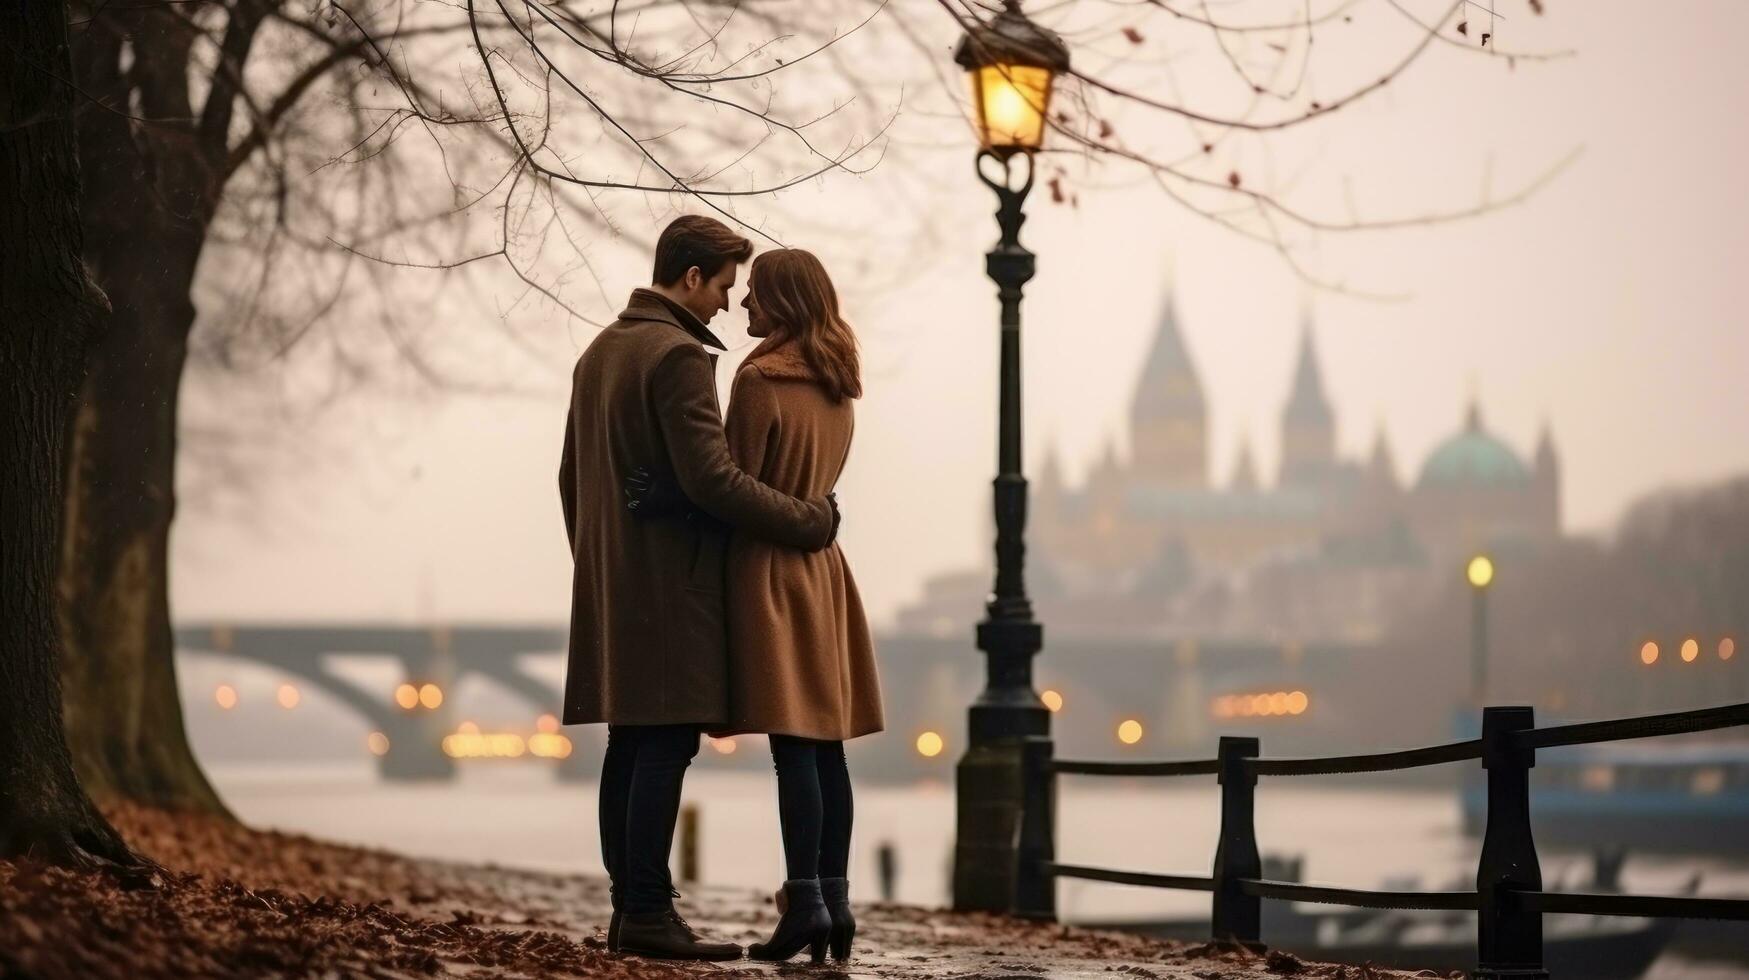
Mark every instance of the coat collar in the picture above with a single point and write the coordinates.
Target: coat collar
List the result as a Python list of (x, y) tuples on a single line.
[(647, 304), (781, 361)]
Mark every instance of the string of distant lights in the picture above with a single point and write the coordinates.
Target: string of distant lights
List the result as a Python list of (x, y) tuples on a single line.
[(1689, 650)]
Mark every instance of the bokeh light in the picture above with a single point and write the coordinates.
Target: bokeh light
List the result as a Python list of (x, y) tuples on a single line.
[(288, 696), (1481, 571), (1130, 732), (226, 696), (407, 696), (1727, 648), (430, 695), (378, 743), (1690, 650), (546, 724), (930, 744), (1649, 653), (1052, 700)]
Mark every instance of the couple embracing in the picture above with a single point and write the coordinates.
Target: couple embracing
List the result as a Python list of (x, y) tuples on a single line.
[(709, 595)]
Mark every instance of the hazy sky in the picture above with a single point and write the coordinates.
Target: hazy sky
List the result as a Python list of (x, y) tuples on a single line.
[(1610, 305)]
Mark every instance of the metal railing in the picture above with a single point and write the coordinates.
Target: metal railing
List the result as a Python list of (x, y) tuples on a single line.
[(1508, 897)]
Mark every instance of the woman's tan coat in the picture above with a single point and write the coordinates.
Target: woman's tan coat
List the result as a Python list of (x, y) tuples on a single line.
[(801, 661)]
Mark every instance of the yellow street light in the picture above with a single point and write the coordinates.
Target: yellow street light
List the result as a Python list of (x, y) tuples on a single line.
[(407, 696), (1649, 653), (430, 695), (1480, 571), (1013, 64), (1130, 732), (1690, 650)]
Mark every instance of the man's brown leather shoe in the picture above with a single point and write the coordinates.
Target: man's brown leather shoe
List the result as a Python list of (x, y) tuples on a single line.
[(666, 936)]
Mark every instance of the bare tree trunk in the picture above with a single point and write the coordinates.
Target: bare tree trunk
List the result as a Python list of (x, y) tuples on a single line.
[(148, 193), (124, 712), (47, 308)]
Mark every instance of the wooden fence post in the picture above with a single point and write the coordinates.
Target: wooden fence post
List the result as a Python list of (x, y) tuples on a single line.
[(1237, 916), (1509, 938), (1035, 888)]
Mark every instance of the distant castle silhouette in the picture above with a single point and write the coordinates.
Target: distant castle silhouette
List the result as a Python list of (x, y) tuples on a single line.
[(1154, 546)]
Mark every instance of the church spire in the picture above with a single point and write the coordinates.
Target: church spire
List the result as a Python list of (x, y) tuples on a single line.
[(1547, 460), (1168, 416), (1245, 470), (1169, 386), (1308, 426), (1383, 464), (1307, 402)]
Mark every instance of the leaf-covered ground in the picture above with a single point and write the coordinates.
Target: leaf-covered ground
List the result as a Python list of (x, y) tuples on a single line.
[(235, 902)]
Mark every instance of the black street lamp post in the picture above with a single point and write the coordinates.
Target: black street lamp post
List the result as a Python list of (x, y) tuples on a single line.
[(1012, 63), (1480, 574)]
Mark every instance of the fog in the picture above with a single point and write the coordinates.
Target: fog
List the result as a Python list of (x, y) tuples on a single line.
[(1609, 305)]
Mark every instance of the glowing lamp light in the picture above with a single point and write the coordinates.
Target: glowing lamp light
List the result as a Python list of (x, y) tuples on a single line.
[(1052, 700), (1130, 732), (1690, 650), (407, 696), (1298, 702), (1013, 64), (1649, 653), (430, 695), (1727, 648), (1480, 571), (547, 745), (467, 728), (378, 743), (724, 746), (930, 744), (226, 696), (288, 696), (546, 724)]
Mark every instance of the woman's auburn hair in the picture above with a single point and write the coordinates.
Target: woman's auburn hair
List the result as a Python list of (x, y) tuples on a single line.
[(796, 296)]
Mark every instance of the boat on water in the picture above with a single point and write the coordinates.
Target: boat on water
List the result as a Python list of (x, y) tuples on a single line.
[(1684, 798), (1574, 946)]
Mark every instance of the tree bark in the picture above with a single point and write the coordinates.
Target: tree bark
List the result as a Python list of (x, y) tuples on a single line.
[(47, 308), (148, 195)]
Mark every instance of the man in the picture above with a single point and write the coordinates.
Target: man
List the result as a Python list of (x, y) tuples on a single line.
[(648, 651)]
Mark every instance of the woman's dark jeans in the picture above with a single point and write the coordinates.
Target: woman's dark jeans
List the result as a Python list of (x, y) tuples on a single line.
[(640, 802), (813, 806)]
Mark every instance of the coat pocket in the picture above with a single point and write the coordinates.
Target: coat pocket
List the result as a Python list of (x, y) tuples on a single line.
[(709, 559)]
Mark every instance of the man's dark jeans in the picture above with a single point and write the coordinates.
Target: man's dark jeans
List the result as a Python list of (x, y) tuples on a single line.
[(640, 802)]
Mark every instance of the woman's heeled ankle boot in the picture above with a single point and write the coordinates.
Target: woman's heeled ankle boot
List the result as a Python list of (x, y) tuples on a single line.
[(835, 892), (805, 923)]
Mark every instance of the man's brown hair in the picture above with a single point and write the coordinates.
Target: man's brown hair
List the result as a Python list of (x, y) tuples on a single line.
[(693, 239)]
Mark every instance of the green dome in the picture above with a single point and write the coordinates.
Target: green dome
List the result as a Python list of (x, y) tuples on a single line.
[(1473, 458)]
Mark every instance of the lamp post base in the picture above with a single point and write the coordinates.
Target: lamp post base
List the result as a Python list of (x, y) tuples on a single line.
[(990, 793)]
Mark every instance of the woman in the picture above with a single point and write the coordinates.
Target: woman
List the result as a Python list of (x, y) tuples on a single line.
[(801, 661)]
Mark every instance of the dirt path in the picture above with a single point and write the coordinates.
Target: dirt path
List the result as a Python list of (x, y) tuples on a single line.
[(234, 902)]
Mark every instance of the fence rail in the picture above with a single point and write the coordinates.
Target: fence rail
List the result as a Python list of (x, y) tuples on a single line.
[(1508, 898)]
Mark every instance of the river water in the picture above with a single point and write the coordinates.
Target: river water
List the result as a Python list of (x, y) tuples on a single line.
[(517, 815)]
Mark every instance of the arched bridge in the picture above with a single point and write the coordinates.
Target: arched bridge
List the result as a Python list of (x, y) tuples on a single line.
[(927, 681)]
